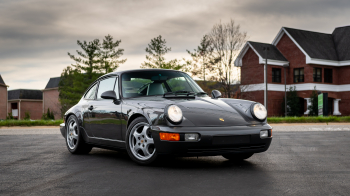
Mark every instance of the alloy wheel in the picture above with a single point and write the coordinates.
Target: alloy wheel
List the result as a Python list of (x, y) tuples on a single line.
[(72, 134), (141, 142)]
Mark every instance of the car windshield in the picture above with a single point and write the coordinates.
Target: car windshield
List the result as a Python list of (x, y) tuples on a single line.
[(158, 82)]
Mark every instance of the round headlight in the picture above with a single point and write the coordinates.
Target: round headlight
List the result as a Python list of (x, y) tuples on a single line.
[(259, 111), (174, 114)]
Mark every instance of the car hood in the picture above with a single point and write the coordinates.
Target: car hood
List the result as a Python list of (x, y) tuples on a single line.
[(204, 111)]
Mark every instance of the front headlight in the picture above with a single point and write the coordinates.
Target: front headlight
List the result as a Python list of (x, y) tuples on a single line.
[(259, 111), (174, 114)]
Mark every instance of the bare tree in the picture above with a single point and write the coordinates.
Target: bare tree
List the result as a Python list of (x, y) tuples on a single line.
[(226, 42)]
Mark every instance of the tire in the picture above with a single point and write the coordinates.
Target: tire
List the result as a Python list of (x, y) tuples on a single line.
[(74, 139), (238, 157), (139, 142)]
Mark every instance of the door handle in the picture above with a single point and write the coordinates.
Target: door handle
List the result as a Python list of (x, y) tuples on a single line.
[(91, 107)]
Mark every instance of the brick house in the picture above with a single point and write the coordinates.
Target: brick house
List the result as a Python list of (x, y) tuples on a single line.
[(312, 59), (50, 97), (25, 100), (3, 99)]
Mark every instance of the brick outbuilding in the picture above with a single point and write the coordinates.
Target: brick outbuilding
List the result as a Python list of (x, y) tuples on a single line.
[(3, 99), (312, 59), (51, 97), (25, 100)]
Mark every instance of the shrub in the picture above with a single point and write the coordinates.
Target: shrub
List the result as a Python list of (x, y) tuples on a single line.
[(26, 115), (312, 119), (9, 116), (48, 115)]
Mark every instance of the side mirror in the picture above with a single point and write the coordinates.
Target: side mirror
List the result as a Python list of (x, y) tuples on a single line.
[(215, 94), (109, 95)]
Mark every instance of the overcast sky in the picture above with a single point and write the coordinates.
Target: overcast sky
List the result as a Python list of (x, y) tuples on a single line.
[(35, 35)]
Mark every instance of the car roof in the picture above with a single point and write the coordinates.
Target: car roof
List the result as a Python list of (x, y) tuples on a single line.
[(136, 70)]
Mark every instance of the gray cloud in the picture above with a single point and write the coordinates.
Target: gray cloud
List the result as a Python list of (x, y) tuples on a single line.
[(36, 35)]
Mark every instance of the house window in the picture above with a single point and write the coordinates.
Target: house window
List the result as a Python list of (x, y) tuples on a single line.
[(299, 75), (276, 75), (328, 75), (317, 75)]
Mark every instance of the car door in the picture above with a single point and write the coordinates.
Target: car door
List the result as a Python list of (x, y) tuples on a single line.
[(105, 122), (88, 98)]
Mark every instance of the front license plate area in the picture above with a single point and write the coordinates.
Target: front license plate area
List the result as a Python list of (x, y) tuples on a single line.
[(226, 140)]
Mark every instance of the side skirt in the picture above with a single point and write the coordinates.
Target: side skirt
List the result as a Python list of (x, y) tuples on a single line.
[(103, 142)]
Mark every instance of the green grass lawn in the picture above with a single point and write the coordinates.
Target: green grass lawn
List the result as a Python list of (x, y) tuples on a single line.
[(312, 119), (9, 123)]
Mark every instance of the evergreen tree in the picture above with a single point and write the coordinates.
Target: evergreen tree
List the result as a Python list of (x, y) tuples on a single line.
[(293, 102), (156, 51), (48, 113), (313, 108), (70, 91), (88, 59), (75, 79), (203, 62), (109, 55)]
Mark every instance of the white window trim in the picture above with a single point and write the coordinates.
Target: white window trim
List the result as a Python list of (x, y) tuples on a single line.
[(298, 87)]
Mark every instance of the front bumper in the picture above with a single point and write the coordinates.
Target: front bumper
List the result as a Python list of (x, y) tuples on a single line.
[(206, 145), (63, 129)]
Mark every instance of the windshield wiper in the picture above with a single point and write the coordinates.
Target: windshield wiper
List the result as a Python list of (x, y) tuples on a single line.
[(187, 93), (202, 93)]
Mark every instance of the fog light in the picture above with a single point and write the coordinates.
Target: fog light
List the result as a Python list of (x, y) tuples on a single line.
[(191, 137), (264, 134)]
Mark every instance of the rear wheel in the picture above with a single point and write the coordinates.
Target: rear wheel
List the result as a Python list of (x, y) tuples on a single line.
[(238, 157), (139, 142), (74, 140)]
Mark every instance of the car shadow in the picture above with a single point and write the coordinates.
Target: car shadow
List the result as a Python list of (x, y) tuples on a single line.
[(218, 162), (202, 163)]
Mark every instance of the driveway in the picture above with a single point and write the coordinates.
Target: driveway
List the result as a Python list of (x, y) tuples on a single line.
[(302, 160)]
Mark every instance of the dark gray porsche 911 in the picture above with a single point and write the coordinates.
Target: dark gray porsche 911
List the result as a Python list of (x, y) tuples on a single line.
[(158, 112)]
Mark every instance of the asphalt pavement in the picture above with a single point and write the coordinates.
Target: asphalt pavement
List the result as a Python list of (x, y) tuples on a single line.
[(302, 160)]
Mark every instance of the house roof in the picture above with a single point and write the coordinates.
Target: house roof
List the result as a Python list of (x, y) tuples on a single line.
[(25, 94), (273, 53), (341, 38), (316, 45), (2, 81), (53, 82), (274, 56)]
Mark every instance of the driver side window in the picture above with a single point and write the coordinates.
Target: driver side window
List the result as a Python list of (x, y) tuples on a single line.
[(91, 93), (106, 85)]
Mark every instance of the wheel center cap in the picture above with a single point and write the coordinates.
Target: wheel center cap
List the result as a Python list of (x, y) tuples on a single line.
[(141, 141)]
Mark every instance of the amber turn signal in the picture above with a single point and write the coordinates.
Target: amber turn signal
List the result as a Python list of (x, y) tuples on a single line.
[(169, 136)]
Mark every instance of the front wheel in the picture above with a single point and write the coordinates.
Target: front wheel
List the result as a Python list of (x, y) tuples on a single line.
[(74, 139), (139, 142), (237, 157)]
